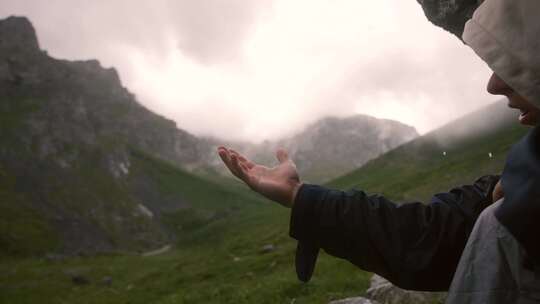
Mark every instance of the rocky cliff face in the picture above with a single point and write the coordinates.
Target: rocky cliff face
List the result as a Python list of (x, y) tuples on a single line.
[(68, 131), (75, 149), (85, 103), (333, 146)]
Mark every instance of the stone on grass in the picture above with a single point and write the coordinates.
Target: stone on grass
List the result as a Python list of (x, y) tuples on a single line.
[(107, 281), (384, 292), (268, 248), (78, 279), (356, 300)]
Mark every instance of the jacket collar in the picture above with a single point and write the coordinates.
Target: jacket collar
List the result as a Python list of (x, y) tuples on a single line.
[(520, 211)]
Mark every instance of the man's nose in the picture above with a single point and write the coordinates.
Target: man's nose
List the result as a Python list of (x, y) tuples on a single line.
[(497, 86)]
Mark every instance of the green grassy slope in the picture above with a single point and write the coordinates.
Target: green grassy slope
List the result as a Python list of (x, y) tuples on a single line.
[(218, 257), (455, 154)]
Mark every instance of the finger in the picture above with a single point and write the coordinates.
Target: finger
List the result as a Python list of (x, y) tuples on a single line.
[(244, 168), (227, 158), (245, 172), (242, 174), (244, 160), (282, 155), (224, 155)]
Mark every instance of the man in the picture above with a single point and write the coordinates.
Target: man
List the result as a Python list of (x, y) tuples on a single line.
[(422, 246), (501, 261)]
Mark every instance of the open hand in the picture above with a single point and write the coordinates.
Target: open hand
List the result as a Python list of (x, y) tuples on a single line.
[(279, 183)]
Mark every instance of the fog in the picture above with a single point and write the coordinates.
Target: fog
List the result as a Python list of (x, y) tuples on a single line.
[(262, 69)]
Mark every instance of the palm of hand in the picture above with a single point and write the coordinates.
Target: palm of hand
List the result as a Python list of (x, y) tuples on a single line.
[(267, 180), (278, 183)]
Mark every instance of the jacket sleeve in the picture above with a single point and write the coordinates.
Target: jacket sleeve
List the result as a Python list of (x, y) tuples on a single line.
[(416, 246)]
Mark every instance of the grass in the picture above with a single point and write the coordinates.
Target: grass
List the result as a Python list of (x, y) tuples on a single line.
[(218, 257), (24, 230), (181, 276), (431, 164)]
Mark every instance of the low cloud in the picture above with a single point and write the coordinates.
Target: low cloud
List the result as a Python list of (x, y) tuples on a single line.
[(262, 69)]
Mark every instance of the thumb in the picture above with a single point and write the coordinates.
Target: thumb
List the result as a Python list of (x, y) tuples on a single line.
[(282, 155)]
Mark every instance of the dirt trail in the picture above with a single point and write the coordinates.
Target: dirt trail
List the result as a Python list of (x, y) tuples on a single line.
[(157, 251)]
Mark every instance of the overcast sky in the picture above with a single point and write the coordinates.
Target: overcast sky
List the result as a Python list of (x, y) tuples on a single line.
[(260, 69)]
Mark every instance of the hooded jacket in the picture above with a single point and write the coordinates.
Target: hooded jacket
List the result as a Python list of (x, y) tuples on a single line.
[(506, 35), (501, 261)]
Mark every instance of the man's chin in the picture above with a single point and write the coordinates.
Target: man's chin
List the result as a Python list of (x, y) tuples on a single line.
[(528, 124), (529, 119)]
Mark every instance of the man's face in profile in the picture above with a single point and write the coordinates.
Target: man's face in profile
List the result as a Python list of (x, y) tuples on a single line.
[(530, 114)]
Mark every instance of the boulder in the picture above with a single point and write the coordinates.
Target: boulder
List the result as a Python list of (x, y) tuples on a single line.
[(268, 248), (384, 292), (78, 279), (107, 281), (356, 300)]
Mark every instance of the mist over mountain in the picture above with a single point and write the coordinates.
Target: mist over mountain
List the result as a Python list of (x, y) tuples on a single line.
[(332, 146), (87, 163), (103, 201)]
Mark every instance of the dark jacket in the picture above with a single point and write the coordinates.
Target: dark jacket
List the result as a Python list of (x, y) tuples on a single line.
[(500, 263), (520, 212), (415, 245)]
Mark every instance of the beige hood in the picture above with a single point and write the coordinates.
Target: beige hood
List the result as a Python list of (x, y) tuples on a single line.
[(506, 35)]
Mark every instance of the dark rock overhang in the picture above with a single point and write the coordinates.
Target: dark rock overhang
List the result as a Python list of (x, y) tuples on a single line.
[(451, 15)]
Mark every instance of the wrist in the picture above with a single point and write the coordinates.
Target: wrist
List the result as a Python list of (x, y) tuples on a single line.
[(296, 188)]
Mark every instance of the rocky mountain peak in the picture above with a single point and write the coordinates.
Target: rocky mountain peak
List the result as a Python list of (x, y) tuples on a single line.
[(17, 33), (21, 61), (330, 146)]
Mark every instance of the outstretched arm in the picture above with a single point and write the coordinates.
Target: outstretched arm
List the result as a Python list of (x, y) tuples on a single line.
[(414, 245)]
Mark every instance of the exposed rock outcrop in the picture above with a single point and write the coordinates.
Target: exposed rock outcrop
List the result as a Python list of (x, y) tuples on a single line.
[(85, 102), (68, 131), (21, 34), (451, 15)]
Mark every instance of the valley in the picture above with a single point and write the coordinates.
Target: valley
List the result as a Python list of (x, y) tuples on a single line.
[(90, 181)]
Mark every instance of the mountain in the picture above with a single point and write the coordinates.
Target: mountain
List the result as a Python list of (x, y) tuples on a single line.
[(457, 153), (76, 147), (331, 146), (231, 260), (86, 170), (83, 166), (74, 178), (86, 103)]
